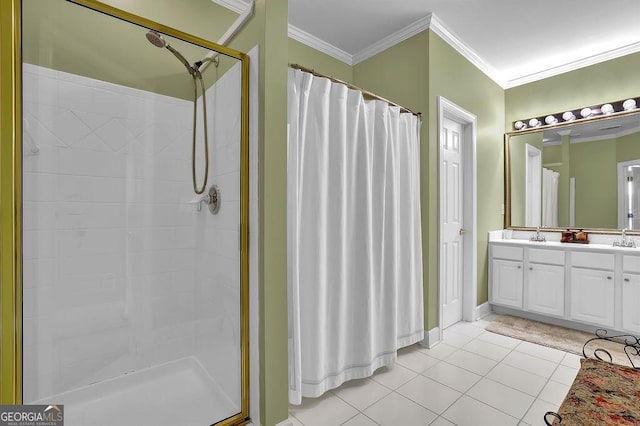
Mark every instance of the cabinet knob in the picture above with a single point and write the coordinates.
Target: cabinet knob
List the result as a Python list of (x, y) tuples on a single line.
[(609, 277), (530, 268), (626, 280), (519, 267)]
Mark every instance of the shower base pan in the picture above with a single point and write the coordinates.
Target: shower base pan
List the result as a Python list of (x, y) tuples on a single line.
[(176, 393)]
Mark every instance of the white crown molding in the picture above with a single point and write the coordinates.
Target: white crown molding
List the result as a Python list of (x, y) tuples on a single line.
[(320, 45), (572, 66), (238, 6), (432, 22), (452, 40), (391, 40)]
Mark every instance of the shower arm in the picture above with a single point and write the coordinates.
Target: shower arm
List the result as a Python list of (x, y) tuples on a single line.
[(230, 33), (201, 65)]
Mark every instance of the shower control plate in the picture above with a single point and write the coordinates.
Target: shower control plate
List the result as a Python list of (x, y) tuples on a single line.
[(214, 199)]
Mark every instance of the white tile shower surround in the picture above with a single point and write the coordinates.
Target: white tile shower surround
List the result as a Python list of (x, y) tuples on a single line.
[(472, 378), (137, 276)]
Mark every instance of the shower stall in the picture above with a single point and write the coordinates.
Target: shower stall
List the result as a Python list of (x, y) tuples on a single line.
[(133, 302)]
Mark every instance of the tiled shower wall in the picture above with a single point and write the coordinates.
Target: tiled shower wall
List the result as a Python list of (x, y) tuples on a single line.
[(121, 272)]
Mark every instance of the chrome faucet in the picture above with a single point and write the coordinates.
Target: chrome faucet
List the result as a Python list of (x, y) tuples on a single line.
[(624, 240), (537, 237)]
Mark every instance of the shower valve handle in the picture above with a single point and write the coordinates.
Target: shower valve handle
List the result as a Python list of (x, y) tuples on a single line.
[(207, 199)]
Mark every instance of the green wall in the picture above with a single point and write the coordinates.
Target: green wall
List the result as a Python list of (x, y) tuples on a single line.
[(608, 81), (268, 29), (593, 165), (306, 56), (60, 35), (628, 148), (551, 155), (455, 78), (414, 73)]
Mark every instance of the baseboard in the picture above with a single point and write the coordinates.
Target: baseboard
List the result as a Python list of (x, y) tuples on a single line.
[(432, 338), (483, 310), (287, 422)]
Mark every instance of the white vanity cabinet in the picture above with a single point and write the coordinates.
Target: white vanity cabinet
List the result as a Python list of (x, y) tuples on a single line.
[(532, 279), (507, 282), (592, 296), (544, 281), (631, 294), (592, 288), (597, 285)]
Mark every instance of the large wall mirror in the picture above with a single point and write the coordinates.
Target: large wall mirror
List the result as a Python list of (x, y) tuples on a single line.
[(584, 174)]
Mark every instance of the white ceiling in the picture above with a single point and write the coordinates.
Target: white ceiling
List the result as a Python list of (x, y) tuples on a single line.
[(512, 41)]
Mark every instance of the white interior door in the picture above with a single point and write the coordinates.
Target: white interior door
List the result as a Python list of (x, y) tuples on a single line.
[(452, 230)]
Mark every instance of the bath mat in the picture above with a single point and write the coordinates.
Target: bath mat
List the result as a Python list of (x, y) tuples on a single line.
[(553, 336)]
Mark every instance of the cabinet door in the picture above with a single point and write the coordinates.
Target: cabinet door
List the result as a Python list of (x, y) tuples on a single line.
[(592, 296), (545, 289), (631, 302), (506, 283)]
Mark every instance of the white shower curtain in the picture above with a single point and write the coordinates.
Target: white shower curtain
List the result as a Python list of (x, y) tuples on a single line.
[(549, 197), (354, 234)]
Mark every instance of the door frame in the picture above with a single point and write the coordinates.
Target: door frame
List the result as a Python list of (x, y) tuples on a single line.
[(451, 111)]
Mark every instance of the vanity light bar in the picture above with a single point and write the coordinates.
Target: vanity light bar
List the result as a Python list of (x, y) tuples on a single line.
[(578, 114)]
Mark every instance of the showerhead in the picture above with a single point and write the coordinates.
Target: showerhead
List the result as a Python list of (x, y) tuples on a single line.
[(156, 39)]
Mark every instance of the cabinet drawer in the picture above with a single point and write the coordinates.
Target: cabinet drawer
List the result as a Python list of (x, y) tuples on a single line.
[(631, 263), (509, 253), (592, 260), (553, 257)]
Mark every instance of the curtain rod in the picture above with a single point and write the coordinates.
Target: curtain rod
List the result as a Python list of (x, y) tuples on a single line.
[(354, 87)]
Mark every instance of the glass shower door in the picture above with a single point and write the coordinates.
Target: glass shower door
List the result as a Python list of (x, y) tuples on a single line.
[(134, 293)]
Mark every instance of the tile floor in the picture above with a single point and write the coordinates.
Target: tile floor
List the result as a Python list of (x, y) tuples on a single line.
[(473, 378)]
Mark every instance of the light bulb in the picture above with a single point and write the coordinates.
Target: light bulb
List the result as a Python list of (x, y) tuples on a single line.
[(606, 109), (550, 119), (629, 104), (534, 122), (568, 116), (586, 112), (519, 125)]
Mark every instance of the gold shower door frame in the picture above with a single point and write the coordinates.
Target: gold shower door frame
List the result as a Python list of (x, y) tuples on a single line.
[(11, 195)]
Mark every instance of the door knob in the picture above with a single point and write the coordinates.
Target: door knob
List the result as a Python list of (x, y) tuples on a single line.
[(462, 231)]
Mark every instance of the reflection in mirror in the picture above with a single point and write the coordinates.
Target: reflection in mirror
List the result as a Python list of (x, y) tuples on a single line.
[(585, 175)]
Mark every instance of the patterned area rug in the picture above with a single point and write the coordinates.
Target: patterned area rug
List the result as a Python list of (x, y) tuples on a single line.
[(602, 394), (554, 336)]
